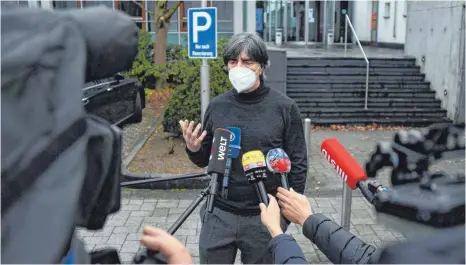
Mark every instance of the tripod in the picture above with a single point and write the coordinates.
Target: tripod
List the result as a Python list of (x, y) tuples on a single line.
[(148, 256)]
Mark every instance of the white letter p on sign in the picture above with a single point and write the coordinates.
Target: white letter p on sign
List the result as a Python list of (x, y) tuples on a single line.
[(197, 28)]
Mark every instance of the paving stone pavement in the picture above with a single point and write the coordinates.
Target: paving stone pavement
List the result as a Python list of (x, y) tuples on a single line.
[(161, 208)]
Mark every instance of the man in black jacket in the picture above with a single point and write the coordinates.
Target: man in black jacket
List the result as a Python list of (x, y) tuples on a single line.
[(268, 119), (342, 247)]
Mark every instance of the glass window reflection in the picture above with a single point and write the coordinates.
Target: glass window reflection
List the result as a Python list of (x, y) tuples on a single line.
[(96, 3), (132, 8)]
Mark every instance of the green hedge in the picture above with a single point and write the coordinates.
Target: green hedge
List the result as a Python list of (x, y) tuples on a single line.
[(186, 103)]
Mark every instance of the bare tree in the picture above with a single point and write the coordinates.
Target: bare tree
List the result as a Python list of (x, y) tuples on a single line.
[(162, 16)]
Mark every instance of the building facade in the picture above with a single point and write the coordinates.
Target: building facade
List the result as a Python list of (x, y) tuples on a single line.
[(233, 16), (378, 23)]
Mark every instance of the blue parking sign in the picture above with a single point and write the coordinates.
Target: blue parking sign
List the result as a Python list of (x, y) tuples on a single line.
[(202, 33)]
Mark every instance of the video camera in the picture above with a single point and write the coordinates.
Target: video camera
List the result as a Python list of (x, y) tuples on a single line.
[(418, 196)]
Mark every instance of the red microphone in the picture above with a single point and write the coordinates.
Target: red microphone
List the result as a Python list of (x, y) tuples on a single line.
[(342, 161), (346, 166)]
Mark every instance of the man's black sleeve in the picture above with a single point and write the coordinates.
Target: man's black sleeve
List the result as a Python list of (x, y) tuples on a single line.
[(295, 148), (201, 157), (339, 245)]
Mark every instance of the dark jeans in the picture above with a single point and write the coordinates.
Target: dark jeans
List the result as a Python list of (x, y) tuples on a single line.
[(223, 233)]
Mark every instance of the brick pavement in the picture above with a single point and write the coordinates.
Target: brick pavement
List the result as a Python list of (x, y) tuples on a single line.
[(161, 208)]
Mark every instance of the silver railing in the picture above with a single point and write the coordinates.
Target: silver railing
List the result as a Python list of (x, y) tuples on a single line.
[(348, 22)]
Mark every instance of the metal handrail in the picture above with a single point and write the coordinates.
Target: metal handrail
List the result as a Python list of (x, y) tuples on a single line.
[(348, 22)]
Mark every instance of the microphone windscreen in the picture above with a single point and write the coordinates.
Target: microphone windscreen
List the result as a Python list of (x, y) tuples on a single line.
[(278, 161), (235, 141), (342, 161), (219, 151)]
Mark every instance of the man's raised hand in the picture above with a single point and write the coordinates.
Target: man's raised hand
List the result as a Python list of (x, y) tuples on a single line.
[(192, 138)]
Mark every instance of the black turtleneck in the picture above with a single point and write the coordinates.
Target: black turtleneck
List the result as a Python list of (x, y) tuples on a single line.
[(268, 119)]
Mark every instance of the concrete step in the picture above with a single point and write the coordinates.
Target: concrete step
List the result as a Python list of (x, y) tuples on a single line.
[(357, 89), (353, 70), (403, 121), (325, 77), (338, 62), (421, 103), (370, 104), (374, 113), (353, 82), (353, 85), (360, 93)]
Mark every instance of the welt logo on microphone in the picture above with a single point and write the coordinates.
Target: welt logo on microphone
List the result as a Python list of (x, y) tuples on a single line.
[(220, 145), (337, 168), (222, 149)]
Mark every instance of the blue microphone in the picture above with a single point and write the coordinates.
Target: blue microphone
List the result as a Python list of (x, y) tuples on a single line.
[(233, 152)]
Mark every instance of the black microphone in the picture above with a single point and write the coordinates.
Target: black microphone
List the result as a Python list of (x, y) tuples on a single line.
[(217, 162), (255, 170)]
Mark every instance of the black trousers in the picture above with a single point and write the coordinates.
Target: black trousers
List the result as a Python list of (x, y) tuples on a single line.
[(223, 233)]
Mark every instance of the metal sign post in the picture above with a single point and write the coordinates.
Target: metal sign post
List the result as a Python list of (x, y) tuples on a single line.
[(202, 44), (346, 207)]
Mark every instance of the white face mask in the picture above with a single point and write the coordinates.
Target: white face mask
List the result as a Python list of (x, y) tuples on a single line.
[(242, 78)]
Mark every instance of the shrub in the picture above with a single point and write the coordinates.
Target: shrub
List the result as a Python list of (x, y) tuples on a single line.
[(143, 68), (143, 64), (185, 102)]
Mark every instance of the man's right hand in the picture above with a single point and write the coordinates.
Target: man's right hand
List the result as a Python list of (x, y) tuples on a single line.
[(193, 141)]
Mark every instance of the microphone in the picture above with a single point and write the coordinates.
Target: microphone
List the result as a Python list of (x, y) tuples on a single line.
[(279, 162), (233, 152), (217, 162), (346, 166), (255, 170)]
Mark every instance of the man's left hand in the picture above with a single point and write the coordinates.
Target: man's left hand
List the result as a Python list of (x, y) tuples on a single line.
[(270, 216)]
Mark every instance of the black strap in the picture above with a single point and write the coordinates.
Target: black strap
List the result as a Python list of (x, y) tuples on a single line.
[(15, 184)]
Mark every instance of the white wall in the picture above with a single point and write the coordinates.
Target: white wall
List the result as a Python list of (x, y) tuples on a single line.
[(391, 24), (237, 17), (436, 33), (361, 19), (251, 16)]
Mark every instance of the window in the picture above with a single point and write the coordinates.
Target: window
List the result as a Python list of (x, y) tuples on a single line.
[(15, 3), (64, 4), (224, 15), (185, 5), (136, 9), (150, 16), (91, 3)]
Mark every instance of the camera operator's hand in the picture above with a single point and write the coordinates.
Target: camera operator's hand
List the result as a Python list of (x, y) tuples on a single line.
[(295, 206), (159, 240), (270, 216), (193, 141)]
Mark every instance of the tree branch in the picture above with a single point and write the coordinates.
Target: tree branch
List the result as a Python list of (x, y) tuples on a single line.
[(172, 10), (138, 4)]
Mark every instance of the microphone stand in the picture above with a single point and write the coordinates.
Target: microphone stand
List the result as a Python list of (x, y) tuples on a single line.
[(147, 256), (159, 179), (213, 189)]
